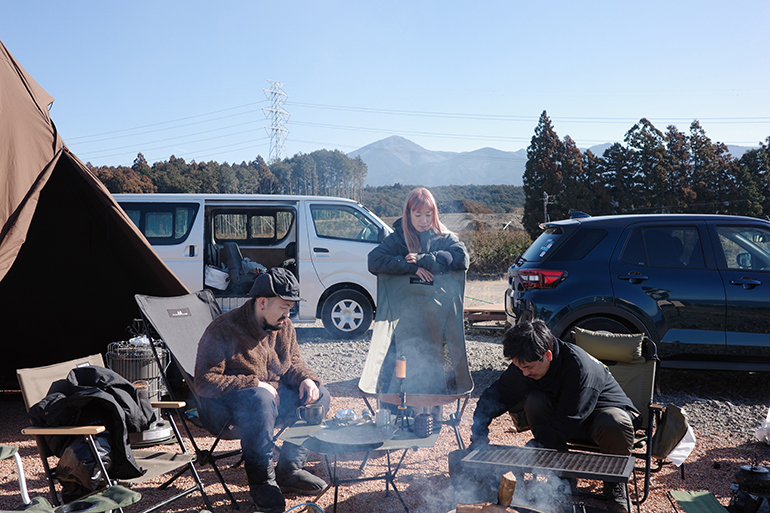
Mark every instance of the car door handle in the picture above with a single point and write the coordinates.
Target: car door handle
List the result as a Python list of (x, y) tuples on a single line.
[(746, 282), (633, 277), (321, 250)]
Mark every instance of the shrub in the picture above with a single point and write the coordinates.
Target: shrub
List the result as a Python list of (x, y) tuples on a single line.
[(493, 252)]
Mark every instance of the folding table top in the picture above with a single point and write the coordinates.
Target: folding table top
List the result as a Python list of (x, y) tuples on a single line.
[(301, 433)]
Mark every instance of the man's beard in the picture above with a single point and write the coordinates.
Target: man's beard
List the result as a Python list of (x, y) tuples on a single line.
[(271, 327)]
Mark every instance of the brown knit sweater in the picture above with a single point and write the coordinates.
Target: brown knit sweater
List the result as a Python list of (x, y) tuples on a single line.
[(236, 353)]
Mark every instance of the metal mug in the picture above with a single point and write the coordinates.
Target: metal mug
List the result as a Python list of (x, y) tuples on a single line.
[(382, 417), (312, 413)]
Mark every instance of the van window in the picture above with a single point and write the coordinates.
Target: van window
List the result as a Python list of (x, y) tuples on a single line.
[(343, 222), (253, 227), (162, 223)]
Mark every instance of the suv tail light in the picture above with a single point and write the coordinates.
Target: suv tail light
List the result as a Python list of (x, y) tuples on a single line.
[(541, 278)]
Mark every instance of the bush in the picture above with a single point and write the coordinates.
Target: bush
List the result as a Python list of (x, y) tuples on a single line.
[(493, 252)]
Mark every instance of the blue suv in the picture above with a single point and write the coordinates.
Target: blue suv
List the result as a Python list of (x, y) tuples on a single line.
[(698, 285)]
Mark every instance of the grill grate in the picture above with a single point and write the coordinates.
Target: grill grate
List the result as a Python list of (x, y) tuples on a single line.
[(585, 465)]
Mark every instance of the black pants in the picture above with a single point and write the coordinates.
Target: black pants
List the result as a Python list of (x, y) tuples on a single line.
[(255, 412), (612, 429)]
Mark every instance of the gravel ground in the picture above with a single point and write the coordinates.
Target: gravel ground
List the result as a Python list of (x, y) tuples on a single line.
[(724, 409)]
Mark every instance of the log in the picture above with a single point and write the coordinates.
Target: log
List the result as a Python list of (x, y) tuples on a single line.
[(504, 497), (506, 489)]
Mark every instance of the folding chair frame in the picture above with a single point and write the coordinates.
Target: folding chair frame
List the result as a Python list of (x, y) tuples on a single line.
[(11, 451), (88, 432), (203, 456), (642, 444)]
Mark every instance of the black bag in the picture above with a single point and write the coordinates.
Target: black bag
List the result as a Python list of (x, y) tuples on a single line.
[(669, 432), (78, 472)]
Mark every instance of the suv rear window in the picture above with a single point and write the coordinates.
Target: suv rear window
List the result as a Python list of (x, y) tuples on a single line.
[(580, 244), (537, 251)]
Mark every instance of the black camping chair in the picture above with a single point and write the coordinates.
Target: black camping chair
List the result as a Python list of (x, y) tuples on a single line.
[(180, 321), (35, 383)]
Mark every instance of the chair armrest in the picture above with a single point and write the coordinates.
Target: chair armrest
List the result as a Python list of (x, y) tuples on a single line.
[(63, 430), (657, 407), (168, 405)]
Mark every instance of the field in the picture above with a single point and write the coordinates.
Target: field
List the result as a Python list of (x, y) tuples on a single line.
[(489, 222)]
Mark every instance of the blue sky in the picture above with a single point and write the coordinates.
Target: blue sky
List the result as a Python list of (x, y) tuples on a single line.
[(187, 77)]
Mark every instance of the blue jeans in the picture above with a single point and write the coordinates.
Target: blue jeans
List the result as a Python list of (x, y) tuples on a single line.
[(255, 412)]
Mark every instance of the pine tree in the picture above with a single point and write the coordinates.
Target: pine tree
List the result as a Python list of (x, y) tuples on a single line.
[(650, 165), (576, 191), (542, 174), (618, 173), (681, 169)]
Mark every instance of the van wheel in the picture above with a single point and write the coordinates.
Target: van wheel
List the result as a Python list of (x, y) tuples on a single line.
[(347, 314)]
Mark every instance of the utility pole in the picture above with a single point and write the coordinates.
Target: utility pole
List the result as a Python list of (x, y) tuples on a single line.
[(277, 116), (545, 207)]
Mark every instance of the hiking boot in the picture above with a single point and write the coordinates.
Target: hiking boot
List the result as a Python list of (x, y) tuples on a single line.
[(616, 496), (290, 475), (263, 490)]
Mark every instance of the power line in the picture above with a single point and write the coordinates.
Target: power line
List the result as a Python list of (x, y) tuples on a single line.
[(78, 138)]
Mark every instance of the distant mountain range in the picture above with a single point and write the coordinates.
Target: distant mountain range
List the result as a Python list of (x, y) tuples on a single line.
[(396, 159)]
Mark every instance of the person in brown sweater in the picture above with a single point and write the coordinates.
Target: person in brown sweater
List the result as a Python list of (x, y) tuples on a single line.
[(249, 369)]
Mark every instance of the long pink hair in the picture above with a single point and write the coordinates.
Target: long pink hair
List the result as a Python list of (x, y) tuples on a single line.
[(420, 198)]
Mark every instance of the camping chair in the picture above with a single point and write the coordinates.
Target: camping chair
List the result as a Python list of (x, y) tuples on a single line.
[(7, 451), (422, 322), (180, 321), (35, 383), (632, 360)]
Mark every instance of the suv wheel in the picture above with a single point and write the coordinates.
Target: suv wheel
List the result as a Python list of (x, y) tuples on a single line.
[(347, 314), (604, 324)]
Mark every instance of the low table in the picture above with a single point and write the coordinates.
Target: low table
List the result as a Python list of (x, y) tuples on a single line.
[(301, 433)]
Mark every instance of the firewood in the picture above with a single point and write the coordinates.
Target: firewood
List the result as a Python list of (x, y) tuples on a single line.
[(506, 489)]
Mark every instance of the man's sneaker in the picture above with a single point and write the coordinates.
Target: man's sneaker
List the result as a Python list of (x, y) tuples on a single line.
[(616, 495)]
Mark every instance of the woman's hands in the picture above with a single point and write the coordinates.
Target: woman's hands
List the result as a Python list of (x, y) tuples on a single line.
[(422, 273)]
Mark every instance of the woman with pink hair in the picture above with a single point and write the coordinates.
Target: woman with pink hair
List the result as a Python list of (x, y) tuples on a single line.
[(420, 243)]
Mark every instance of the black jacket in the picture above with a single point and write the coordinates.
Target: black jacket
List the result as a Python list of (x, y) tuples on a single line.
[(439, 253), (576, 382), (96, 396)]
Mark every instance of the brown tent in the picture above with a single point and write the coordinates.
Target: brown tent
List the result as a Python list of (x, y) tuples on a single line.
[(70, 259)]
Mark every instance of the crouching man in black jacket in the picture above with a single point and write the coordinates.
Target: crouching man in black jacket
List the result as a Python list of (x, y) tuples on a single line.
[(566, 395)]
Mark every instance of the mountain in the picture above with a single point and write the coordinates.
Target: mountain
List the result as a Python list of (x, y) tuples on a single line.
[(399, 160), (396, 159)]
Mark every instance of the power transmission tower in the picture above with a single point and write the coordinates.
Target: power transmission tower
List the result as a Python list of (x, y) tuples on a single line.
[(277, 116)]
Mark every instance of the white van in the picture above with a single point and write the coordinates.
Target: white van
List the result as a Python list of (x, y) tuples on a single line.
[(222, 241)]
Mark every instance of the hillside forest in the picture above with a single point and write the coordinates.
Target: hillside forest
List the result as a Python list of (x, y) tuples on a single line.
[(650, 172)]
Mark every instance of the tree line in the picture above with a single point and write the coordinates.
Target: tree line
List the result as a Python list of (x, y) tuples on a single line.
[(322, 172), (652, 172)]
